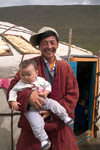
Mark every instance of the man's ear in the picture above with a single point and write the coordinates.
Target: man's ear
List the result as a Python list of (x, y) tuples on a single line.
[(57, 45)]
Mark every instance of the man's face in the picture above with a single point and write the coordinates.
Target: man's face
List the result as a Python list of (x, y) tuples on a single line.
[(48, 47), (28, 74)]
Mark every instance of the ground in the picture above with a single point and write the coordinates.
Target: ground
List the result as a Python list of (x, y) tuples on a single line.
[(92, 145)]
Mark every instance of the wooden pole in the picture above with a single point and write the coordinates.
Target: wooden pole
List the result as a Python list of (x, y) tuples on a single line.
[(70, 39), (97, 104), (12, 142), (22, 58), (8, 29), (98, 95), (98, 99)]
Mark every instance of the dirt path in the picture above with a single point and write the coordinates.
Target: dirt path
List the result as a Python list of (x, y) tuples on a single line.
[(92, 145)]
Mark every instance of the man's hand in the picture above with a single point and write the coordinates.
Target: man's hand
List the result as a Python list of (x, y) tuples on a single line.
[(45, 113), (35, 101)]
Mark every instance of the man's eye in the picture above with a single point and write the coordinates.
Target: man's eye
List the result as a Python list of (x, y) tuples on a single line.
[(52, 43), (44, 43)]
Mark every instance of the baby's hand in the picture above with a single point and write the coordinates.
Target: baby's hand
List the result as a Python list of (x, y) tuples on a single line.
[(15, 105), (45, 94)]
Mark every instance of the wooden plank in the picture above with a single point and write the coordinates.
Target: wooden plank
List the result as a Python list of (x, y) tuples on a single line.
[(8, 52), (21, 45), (83, 138), (84, 59)]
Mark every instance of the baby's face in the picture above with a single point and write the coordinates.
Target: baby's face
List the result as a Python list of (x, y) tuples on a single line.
[(28, 74)]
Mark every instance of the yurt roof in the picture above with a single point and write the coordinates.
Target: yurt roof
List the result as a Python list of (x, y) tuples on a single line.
[(10, 62)]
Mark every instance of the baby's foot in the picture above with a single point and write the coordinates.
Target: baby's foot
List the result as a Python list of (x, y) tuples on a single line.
[(45, 145), (69, 121)]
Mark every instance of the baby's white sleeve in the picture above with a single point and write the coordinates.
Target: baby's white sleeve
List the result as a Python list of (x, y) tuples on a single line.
[(18, 87), (13, 94), (14, 90), (47, 86)]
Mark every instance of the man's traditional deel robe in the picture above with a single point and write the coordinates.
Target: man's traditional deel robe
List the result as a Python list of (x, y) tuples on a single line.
[(65, 91)]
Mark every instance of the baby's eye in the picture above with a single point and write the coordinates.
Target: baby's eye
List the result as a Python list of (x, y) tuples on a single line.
[(22, 75), (29, 74)]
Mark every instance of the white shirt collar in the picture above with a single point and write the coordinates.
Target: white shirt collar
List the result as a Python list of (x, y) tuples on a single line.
[(46, 62)]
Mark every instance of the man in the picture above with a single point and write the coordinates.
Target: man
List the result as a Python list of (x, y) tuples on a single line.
[(64, 90)]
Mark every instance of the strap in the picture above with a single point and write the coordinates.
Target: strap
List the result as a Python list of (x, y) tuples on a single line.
[(50, 78), (47, 73)]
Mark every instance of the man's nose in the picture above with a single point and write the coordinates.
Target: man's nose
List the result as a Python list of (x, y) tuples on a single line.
[(49, 45)]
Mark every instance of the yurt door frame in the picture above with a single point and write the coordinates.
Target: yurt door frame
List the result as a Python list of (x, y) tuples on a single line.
[(87, 135)]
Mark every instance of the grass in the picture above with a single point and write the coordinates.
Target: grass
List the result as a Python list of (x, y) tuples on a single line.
[(84, 21)]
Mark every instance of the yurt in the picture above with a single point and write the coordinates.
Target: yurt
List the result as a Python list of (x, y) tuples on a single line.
[(15, 46)]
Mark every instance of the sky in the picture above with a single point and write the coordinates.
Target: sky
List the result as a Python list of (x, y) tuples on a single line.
[(7, 3)]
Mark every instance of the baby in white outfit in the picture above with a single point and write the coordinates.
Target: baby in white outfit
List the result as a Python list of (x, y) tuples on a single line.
[(29, 79)]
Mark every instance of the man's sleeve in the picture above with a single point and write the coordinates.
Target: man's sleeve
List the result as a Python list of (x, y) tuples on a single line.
[(70, 99)]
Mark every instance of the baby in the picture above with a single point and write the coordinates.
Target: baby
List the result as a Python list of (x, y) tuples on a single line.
[(29, 79)]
